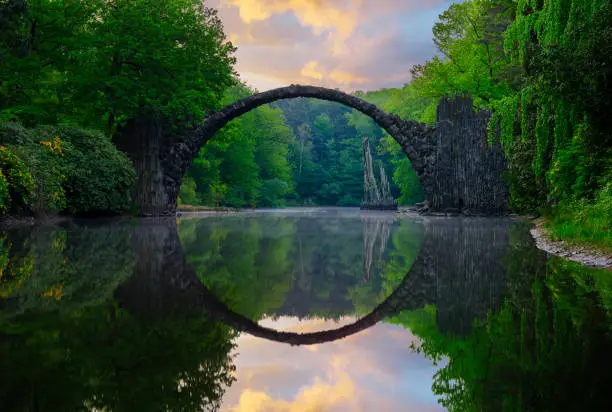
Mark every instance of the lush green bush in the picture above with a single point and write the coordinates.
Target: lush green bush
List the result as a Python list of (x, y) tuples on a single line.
[(527, 191), (43, 157), (188, 194), (70, 169), (272, 192), (4, 193), (16, 182), (98, 176)]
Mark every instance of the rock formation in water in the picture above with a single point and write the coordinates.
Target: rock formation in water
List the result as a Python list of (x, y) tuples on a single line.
[(373, 196)]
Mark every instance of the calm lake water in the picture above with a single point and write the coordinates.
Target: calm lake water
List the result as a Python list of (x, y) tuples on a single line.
[(299, 310)]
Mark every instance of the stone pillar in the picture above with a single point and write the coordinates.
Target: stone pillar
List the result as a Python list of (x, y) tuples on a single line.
[(467, 170)]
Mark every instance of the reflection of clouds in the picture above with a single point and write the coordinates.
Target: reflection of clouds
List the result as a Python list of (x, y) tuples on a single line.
[(338, 390), (373, 370), (355, 43)]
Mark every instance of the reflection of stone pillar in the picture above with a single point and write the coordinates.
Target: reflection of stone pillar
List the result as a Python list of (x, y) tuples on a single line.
[(376, 231), (161, 273), (466, 257)]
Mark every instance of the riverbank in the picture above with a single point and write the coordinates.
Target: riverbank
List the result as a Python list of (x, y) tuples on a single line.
[(195, 208), (585, 254)]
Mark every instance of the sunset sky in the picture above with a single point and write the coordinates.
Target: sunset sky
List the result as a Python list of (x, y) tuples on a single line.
[(346, 44)]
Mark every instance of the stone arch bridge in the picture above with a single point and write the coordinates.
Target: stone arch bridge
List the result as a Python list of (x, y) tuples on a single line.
[(458, 169)]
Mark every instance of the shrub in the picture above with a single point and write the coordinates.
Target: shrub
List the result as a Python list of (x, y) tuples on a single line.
[(272, 192), (43, 160), (71, 169), (188, 195), (46, 160), (16, 182), (527, 191), (5, 197), (98, 176)]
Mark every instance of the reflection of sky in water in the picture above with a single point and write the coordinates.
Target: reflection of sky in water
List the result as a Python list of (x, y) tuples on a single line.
[(374, 370)]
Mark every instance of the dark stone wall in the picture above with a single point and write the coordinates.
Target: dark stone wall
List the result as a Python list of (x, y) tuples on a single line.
[(466, 170)]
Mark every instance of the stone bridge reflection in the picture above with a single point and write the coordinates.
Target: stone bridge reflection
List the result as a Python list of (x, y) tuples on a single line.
[(459, 269)]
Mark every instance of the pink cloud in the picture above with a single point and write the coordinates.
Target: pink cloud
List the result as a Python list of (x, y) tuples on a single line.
[(356, 44)]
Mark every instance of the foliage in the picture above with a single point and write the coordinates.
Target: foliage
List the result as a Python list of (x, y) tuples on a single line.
[(246, 163), (563, 51), (134, 57), (98, 176), (114, 66), (584, 221), (527, 192), (5, 197), (188, 193), (326, 158), (16, 182), (70, 169)]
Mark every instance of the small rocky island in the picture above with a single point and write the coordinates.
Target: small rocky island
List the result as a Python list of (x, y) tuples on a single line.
[(375, 196)]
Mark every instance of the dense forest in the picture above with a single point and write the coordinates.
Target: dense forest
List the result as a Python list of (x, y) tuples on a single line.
[(75, 95)]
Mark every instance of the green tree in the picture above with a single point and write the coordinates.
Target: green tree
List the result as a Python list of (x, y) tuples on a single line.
[(145, 71), (249, 157)]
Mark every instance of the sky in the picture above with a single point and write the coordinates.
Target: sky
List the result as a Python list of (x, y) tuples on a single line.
[(374, 370), (345, 44)]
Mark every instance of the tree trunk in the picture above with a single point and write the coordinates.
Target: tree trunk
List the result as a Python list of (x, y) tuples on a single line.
[(142, 140)]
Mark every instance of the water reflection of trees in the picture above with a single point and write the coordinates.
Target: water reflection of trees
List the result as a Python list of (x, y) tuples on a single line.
[(300, 266), (67, 344), (545, 348)]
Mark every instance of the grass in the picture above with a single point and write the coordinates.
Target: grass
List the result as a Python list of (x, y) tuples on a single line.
[(583, 222)]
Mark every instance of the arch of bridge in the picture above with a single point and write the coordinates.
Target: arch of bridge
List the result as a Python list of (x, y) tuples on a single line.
[(414, 138)]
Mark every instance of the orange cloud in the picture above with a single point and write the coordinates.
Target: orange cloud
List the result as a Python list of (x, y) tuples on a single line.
[(319, 15), (346, 78), (312, 70)]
